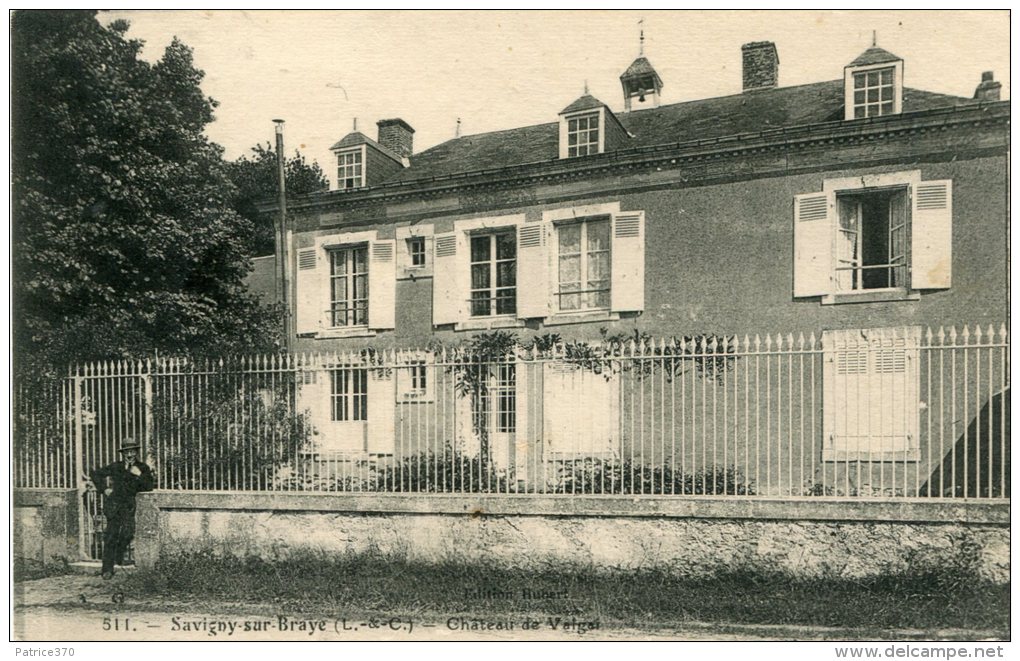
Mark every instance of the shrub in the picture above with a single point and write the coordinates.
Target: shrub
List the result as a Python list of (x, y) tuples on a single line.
[(627, 477)]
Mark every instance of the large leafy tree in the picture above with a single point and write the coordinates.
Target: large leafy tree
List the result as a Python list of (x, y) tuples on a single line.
[(257, 178), (125, 237)]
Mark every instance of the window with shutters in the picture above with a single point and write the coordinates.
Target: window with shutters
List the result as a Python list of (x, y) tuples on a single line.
[(493, 274), (873, 238), (871, 395), (583, 265), (348, 287), (350, 169)]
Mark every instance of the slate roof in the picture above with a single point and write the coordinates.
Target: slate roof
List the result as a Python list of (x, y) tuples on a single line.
[(355, 138), (639, 67), (873, 55), (679, 122), (586, 102)]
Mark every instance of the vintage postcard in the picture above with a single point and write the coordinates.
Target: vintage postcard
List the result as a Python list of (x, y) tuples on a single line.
[(511, 326)]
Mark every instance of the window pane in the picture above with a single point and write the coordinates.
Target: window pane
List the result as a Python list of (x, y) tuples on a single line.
[(859, 80), (479, 304), (848, 215), (887, 93), (338, 261), (570, 302), (361, 313), (480, 276), (571, 139), (360, 260), (570, 269), (598, 267), (887, 109), (859, 97), (506, 246), (872, 95), (859, 112), (339, 290), (506, 274), (506, 301), (361, 286), (593, 122), (480, 251), (598, 299), (570, 239), (887, 76), (598, 235)]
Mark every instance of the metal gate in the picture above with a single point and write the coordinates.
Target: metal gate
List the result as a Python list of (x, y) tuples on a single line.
[(109, 406)]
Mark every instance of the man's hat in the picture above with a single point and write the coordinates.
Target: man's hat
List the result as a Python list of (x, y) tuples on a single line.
[(128, 444)]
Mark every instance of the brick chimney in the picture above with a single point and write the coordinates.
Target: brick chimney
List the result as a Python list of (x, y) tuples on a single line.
[(761, 65), (988, 89), (397, 136)]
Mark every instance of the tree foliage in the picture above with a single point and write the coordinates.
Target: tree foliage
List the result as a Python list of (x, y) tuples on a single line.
[(125, 237), (256, 179)]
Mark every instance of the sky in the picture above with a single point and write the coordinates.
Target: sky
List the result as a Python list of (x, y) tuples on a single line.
[(321, 70)]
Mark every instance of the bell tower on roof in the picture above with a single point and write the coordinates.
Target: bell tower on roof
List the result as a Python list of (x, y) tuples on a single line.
[(640, 81)]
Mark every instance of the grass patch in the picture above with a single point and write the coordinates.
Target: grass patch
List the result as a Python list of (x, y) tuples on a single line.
[(24, 569), (928, 599)]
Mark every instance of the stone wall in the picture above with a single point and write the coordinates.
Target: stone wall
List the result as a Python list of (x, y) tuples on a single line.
[(690, 536), (44, 525)]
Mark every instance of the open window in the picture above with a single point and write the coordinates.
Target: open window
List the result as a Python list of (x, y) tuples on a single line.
[(871, 241), (873, 238)]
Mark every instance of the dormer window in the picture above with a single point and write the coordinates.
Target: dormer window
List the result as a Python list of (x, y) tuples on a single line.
[(873, 93), (588, 127), (583, 135), (873, 85), (350, 168)]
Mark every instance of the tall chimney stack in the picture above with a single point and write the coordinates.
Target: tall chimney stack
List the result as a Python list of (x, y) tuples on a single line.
[(397, 136), (761, 65), (988, 89)]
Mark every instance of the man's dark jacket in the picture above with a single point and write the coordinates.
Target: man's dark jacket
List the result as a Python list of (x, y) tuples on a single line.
[(125, 484)]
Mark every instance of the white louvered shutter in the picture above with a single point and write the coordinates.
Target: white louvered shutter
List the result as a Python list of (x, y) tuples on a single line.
[(449, 279), (581, 411), (628, 262), (311, 298), (931, 256), (532, 270), (382, 399), (382, 285), (813, 228), (871, 392)]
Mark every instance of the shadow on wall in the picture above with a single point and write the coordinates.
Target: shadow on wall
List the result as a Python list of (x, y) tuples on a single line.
[(978, 464)]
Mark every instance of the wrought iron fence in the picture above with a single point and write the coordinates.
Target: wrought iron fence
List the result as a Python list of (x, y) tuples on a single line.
[(903, 412)]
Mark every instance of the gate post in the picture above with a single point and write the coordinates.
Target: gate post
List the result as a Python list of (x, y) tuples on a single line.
[(79, 463), (147, 412)]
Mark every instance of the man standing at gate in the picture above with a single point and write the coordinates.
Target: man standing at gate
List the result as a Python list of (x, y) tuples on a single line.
[(119, 482)]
